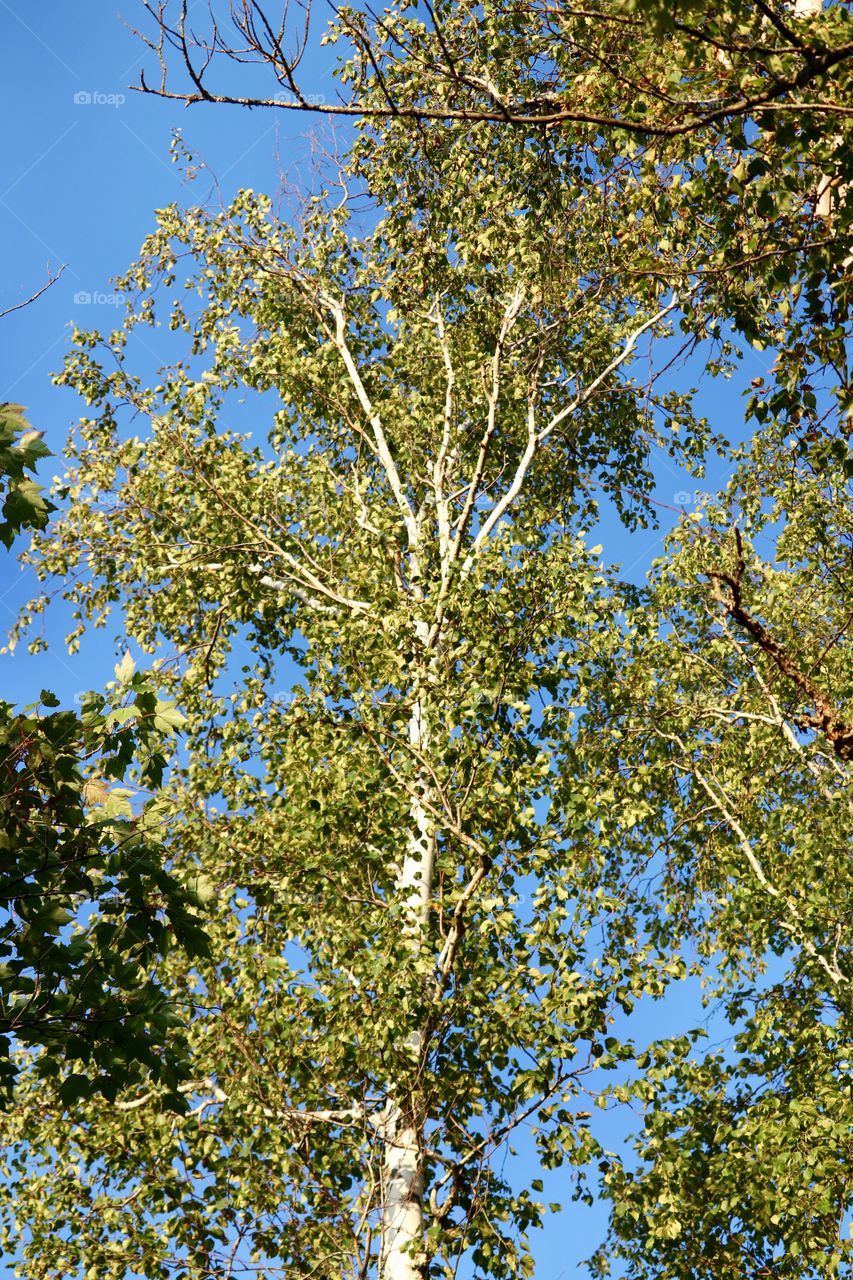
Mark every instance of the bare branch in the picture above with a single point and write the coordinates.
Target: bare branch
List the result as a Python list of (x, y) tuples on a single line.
[(588, 392), (548, 109), (51, 280)]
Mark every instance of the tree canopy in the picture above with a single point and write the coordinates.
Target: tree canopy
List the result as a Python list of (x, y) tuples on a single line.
[(508, 799), (87, 903)]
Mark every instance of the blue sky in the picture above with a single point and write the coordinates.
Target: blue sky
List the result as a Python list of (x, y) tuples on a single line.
[(85, 161)]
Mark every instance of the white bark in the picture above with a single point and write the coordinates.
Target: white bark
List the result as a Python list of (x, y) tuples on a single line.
[(402, 1215), (402, 1209), (403, 1177), (538, 436)]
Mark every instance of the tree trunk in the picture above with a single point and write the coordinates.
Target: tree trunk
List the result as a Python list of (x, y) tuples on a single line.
[(402, 1210), (402, 1253)]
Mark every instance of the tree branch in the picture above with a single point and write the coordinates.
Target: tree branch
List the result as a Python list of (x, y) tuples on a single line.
[(51, 280), (838, 732), (383, 452)]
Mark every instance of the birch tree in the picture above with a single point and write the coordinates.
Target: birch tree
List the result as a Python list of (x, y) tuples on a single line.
[(418, 944)]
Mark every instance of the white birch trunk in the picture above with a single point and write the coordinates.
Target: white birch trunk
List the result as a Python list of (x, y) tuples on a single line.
[(402, 1255), (402, 1209)]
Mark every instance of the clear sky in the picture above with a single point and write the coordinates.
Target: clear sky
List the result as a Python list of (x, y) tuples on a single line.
[(85, 161)]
